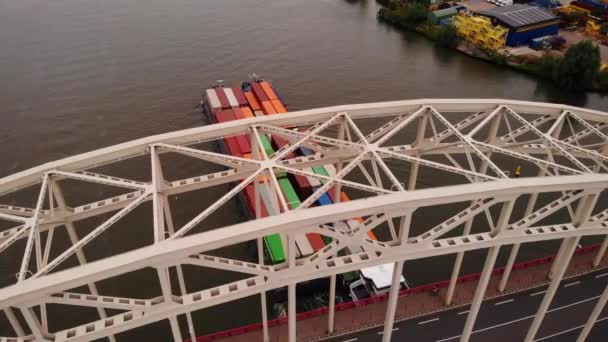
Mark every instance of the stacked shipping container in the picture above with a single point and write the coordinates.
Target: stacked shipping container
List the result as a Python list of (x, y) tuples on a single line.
[(228, 104)]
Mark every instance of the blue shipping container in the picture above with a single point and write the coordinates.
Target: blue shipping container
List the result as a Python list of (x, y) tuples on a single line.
[(524, 37)]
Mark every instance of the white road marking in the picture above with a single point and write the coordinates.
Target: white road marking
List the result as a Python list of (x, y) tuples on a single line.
[(463, 312), (520, 319), (429, 321), (575, 283), (351, 340), (537, 293), (601, 275), (504, 302), (382, 332), (569, 330)]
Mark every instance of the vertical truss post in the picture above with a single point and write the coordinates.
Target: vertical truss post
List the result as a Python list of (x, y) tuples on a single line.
[(332, 279), (180, 272), (33, 323), (583, 211), (600, 253), (332, 304), (554, 131), (33, 235), (597, 310), (392, 301), (457, 264), (71, 230), (570, 246), (14, 322), (255, 149), (165, 285), (396, 281), (515, 249), (291, 289), (411, 185), (503, 221), (496, 116), (158, 209)]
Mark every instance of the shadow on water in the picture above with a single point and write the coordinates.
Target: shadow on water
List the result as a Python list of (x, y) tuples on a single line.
[(361, 3), (554, 94), (444, 56)]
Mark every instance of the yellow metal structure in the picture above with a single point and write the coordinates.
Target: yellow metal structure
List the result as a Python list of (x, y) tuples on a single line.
[(480, 31), (592, 28)]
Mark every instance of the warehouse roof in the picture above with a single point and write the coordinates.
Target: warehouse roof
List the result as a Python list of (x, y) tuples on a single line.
[(518, 15)]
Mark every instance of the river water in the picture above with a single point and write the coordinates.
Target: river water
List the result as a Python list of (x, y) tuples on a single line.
[(80, 75)]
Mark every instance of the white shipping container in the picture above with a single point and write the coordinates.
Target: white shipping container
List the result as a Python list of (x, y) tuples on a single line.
[(271, 211), (303, 245), (331, 170), (314, 182), (214, 101), (231, 98)]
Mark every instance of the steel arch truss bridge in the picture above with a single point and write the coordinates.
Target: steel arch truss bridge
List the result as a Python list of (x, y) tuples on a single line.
[(160, 210)]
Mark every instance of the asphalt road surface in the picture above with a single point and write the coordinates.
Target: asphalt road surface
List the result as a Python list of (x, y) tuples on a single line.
[(507, 318)]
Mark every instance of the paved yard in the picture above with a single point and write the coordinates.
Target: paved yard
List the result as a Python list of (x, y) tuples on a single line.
[(575, 37)]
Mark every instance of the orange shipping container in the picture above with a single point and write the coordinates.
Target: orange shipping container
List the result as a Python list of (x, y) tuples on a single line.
[(269, 91), (253, 102), (246, 112), (268, 108), (278, 106)]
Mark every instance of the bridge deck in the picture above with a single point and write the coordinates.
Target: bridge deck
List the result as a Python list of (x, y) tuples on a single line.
[(371, 315)]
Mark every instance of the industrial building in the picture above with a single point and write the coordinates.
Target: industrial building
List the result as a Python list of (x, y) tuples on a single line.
[(524, 22)]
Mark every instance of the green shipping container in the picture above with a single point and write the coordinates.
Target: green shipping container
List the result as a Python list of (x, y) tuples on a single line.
[(436, 16), (266, 145), (273, 242), (290, 193)]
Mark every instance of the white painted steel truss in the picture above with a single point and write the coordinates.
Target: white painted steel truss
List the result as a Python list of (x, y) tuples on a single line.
[(471, 147)]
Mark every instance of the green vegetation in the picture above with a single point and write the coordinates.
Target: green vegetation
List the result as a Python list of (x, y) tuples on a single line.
[(447, 36), (546, 66), (407, 17), (579, 68), (602, 80)]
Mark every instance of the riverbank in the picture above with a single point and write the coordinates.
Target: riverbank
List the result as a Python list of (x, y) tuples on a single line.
[(562, 66)]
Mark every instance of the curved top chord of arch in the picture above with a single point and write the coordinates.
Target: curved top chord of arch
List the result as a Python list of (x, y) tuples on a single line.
[(383, 152)]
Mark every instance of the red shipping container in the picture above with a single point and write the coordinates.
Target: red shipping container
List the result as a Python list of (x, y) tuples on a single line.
[(250, 196), (252, 101), (316, 241), (268, 108), (303, 186), (278, 143), (243, 139), (332, 194), (221, 95), (244, 143), (225, 116), (240, 97), (259, 92), (233, 147)]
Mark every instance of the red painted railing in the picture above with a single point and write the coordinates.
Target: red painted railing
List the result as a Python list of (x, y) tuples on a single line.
[(381, 298)]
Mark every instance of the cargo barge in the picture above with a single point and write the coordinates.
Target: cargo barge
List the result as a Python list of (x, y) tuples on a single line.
[(256, 97)]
